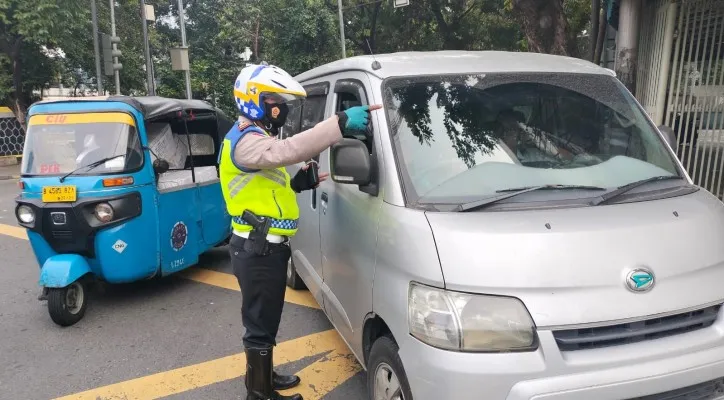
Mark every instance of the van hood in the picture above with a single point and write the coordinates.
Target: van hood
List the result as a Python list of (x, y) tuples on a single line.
[(570, 266)]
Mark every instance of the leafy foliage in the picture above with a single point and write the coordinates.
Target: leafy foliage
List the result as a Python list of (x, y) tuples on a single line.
[(296, 36)]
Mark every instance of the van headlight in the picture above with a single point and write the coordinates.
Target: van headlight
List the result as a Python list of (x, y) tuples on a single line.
[(469, 322)]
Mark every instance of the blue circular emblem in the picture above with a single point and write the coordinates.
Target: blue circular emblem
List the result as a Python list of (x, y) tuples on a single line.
[(640, 280)]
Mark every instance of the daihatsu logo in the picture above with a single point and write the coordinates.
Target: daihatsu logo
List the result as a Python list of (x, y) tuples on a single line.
[(640, 280)]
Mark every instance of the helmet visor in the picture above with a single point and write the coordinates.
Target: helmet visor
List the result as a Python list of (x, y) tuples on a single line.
[(277, 97)]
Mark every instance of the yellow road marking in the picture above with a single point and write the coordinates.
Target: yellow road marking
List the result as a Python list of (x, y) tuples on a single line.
[(327, 373), (183, 379), (318, 379), (14, 231), (202, 275), (229, 281)]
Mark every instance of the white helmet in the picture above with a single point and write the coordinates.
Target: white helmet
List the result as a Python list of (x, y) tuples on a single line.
[(256, 83)]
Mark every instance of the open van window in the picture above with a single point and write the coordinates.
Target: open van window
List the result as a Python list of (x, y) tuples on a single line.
[(465, 137)]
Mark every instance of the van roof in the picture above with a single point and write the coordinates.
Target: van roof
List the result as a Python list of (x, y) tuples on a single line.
[(453, 61)]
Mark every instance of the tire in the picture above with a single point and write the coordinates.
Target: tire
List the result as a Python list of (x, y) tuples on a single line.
[(294, 281), (67, 305), (385, 361)]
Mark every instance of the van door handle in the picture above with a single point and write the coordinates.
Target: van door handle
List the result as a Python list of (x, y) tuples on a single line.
[(325, 197)]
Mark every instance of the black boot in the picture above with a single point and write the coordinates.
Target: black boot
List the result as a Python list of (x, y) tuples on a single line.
[(283, 382), (259, 376)]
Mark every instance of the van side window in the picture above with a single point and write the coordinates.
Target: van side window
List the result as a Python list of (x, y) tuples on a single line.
[(307, 112), (351, 93), (312, 112), (291, 126)]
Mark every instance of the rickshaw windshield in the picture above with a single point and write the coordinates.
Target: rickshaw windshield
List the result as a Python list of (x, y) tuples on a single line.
[(58, 144)]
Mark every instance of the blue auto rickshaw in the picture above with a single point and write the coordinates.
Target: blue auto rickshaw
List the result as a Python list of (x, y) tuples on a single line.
[(119, 189)]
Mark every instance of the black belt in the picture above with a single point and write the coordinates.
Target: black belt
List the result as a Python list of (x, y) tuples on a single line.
[(248, 245)]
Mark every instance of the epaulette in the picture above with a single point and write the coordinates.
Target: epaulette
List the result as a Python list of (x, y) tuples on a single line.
[(244, 124)]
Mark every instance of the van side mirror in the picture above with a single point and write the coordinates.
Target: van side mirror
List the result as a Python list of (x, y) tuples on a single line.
[(160, 166), (350, 162), (669, 135)]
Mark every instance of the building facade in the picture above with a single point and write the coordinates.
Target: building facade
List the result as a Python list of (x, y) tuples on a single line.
[(680, 80)]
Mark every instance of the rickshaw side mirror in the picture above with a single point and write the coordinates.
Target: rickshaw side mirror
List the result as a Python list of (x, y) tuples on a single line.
[(160, 166)]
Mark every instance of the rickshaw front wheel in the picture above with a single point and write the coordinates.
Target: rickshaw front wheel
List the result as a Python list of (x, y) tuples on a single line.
[(67, 305)]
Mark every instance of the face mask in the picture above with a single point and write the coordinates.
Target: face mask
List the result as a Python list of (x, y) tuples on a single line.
[(275, 115)]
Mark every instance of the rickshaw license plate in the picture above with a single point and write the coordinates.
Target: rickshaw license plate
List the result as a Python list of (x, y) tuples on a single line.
[(59, 194)]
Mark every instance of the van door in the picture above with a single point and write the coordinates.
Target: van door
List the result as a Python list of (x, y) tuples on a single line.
[(348, 225), (306, 245)]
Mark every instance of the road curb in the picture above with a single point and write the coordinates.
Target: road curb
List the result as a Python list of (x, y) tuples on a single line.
[(8, 177)]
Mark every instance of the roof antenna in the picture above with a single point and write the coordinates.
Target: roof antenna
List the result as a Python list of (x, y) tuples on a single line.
[(375, 64)]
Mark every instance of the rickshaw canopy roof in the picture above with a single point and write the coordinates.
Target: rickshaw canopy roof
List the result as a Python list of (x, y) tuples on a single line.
[(154, 106), (151, 107)]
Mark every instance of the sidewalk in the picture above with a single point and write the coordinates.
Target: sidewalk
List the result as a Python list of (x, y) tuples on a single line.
[(9, 168)]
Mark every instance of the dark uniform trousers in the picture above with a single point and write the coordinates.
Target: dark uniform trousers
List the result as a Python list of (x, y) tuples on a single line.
[(262, 280)]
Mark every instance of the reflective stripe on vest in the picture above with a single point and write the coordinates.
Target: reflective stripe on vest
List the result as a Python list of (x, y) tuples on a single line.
[(241, 180), (266, 193)]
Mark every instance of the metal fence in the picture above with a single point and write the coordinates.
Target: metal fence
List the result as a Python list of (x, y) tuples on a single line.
[(12, 134), (695, 96)]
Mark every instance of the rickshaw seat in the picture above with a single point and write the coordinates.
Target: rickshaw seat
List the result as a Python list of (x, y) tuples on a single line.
[(181, 178)]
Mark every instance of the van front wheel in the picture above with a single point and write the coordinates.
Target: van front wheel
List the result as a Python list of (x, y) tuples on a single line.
[(386, 378)]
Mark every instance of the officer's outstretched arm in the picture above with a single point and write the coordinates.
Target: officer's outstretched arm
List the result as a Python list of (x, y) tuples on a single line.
[(264, 152)]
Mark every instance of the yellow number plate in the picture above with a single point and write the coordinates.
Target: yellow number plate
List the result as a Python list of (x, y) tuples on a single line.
[(59, 194)]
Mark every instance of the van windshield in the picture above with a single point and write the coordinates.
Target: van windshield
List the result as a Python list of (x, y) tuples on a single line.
[(464, 137), (60, 143)]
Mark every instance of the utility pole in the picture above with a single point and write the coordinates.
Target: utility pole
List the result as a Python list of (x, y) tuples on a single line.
[(341, 28), (147, 50), (627, 43), (96, 48), (114, 47), (182, 23)]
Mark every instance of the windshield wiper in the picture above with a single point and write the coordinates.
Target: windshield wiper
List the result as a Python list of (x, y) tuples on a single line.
[(91, 165), (625, 188), (476, 205), (583, 187)]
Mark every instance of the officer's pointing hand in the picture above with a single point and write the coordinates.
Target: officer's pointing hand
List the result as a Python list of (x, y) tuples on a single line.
[(359, 116)]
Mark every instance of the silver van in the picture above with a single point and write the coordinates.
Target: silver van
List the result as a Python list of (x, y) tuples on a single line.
[(511, 226)]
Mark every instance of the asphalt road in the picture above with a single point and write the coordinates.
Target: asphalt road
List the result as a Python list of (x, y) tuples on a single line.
[(177, 338)]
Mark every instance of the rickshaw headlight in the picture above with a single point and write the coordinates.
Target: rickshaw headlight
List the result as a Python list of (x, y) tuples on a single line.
[(104, 212), (26, 214)]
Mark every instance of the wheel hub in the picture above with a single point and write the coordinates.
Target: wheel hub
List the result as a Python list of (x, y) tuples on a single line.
[(74, 298), (387, 386)]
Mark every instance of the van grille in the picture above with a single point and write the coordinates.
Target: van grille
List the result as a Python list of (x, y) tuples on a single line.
[(703, 391), (639, 331)]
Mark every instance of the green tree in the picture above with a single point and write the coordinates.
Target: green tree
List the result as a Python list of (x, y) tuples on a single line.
[(553, 26), (428, 25), (28, 28)]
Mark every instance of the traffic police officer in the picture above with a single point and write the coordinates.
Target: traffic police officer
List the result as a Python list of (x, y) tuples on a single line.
[(261, 198)]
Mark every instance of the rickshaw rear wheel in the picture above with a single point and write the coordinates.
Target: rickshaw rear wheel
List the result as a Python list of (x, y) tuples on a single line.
[(67, 305)]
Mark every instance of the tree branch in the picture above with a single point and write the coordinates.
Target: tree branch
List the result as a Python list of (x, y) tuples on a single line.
[(439, 17)]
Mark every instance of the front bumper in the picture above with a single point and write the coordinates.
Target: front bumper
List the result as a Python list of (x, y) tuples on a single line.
[(623, 372)]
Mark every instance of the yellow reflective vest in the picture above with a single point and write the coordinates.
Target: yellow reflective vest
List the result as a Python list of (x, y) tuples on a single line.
[(266, 193)]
